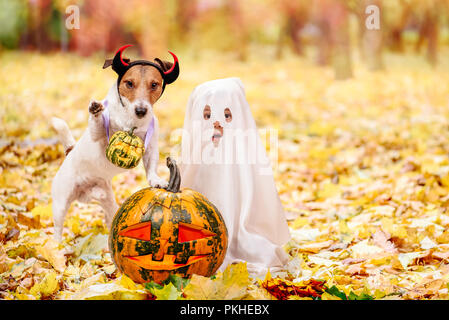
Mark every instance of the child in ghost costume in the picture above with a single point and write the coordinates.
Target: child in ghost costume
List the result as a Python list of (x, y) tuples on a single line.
[(224, 159)]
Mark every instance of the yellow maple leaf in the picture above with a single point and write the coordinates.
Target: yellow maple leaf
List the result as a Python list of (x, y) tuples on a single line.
[(47, 286), (231, 284), (45, 212), (327, 296), (108, 291), (51, 252)]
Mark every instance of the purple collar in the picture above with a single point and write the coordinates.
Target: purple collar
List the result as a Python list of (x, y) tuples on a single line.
[(105, 116)]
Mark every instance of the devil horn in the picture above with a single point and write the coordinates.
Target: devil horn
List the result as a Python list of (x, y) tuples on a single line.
[(118, 64), (172, 74)]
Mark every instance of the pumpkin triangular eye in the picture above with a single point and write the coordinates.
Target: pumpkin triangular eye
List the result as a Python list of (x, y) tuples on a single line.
[(140, 231), (190, 232)]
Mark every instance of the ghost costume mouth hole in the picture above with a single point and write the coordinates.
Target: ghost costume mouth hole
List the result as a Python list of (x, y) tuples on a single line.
[(218, 133), (216, 139)]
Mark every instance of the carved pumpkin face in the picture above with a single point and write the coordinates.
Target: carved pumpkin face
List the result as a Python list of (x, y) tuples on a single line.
[(157, 233)]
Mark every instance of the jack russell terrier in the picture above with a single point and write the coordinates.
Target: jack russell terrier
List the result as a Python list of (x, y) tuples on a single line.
[(86, 173)]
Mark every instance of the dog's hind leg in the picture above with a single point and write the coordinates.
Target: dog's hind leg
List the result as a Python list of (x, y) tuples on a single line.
[(62, 194), (60, 206), (109, 205)]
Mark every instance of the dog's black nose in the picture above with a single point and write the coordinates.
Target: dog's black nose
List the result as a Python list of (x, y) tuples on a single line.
[(141, 111)]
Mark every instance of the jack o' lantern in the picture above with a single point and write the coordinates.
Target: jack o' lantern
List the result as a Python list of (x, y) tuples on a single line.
[(158, 232)]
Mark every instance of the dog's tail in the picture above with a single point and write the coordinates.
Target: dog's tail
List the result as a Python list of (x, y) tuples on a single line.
[(64, 134)]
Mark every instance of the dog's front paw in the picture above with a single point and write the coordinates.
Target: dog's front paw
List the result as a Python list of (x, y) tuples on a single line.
[(95, 108), (156, 182)]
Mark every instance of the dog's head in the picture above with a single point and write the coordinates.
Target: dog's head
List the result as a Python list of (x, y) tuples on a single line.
[(140, 83)]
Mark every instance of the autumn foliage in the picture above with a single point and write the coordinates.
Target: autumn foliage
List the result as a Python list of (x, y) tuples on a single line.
[(361, 165)]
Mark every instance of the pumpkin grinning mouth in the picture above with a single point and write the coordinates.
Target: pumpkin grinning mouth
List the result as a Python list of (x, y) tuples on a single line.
[(167, 264)]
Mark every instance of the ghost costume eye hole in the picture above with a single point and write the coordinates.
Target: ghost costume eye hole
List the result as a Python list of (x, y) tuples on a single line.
[(206, 113), (228, 115)]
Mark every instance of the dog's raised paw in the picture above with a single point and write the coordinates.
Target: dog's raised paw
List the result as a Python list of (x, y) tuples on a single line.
[(95, 108)]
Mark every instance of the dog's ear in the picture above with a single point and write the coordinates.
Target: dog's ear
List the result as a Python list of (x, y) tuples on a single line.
[(108, 62), (170, 70), (165, 65)]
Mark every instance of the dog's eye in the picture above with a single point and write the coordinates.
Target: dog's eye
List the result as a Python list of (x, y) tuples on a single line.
[(154, 85), (129, 84)]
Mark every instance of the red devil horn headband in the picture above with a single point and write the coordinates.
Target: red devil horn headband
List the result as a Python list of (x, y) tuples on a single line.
[(120, 66), (172, 74)]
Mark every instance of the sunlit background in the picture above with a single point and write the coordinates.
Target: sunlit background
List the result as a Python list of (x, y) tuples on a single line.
[(328, 32), (52, 51)]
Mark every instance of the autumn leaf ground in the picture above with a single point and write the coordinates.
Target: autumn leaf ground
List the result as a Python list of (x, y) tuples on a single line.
[(362, 170)]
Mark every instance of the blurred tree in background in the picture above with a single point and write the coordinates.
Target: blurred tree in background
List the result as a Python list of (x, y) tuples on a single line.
[(334, 30)]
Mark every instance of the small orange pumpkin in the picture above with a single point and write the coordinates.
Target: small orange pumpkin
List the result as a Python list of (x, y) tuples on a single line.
[(158, 232)]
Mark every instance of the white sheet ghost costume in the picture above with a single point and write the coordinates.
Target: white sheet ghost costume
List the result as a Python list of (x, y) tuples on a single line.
[(224, 159)]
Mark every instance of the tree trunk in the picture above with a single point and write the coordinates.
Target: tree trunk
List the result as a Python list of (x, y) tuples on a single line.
[(324, 43), (295, 26), (332, 18), (432, 35), (372, 41), (339, 26), (428, 30), (239, 28), (295, 14)]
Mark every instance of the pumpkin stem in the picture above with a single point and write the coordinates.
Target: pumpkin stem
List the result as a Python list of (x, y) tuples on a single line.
[(175, 177), (131, 132)]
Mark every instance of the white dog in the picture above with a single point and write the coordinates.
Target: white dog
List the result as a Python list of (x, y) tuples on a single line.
[(86, 173)]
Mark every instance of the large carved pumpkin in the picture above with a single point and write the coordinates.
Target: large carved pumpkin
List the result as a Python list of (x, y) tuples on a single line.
[(158, 232)]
